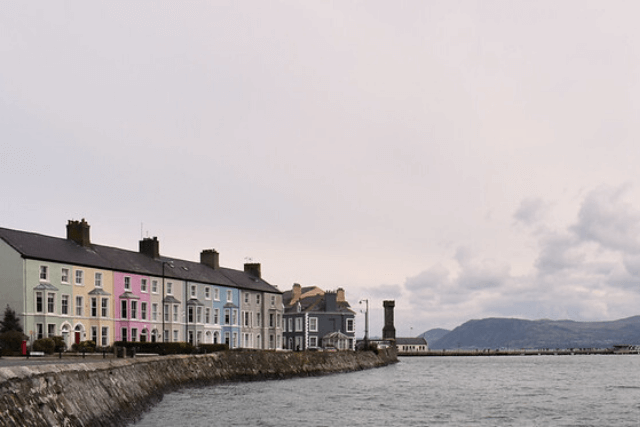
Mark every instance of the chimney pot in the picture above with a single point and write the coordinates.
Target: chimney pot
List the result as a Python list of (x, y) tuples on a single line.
[(150, 247), (253, 269)]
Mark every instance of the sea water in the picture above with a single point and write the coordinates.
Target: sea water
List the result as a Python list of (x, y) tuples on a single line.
[(425, 391)]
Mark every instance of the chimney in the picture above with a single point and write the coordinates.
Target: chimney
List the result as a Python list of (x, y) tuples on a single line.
[(330, 301), (78, 231), (150, 247), (253, 269), (211, 258), (296, 293), (341, 296), (389, 331)]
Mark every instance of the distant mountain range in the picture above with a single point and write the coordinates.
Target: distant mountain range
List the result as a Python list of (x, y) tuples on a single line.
[(495, 333)]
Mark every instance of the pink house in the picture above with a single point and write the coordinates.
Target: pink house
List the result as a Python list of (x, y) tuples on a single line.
[(131, 295)]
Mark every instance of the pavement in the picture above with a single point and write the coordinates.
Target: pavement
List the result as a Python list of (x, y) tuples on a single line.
[(49, 360)]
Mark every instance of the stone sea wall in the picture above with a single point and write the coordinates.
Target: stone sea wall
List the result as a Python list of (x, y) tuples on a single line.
[(116, 392)]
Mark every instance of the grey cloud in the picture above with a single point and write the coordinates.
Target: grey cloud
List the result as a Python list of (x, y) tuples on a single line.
[(530, 211), (559, 252), (607, 219)]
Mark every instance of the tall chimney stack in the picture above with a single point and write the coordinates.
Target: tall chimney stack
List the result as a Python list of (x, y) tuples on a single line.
[(78, 231), (211, 258), (253, 269), (150, 247)]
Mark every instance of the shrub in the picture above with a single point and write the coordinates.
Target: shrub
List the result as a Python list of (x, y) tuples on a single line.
[(84, 346), (46, 345), (11, 343)]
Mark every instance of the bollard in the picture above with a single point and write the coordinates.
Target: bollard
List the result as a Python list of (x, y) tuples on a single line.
[(60, 354), (84, 351), (104, 353)]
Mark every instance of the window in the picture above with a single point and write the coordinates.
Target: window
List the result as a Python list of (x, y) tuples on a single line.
[(94, 334), (98, 280), (143, 285), (279, 320), (272, 342), (234, 317), (175, 336), (245, 316), (350, 324), (290, 324), (51, 303), (190, 311), (273, 300), (134, 334), (229, 296), (216, 294), (65, 305), (94, 307), (105, 307), (79, 277), (175, 312), (44, 273), (127, 283), (143, 310), (313, 341), (193, 291), (51, 330), (123, 332), (123, 309), (258, 299), (65, 275), (105, 336), (216, 316), (79, 310), (246, 297), (39, 302), (313, 324), (298, 324), (154, 286), (227, 316), (199, 315), (40, 330), (226, 338), (272, 320), (207, 315), (207, 292), (166, 313), (143, 335), (154, 311), (134, 310), (169, 288), (258, 319)]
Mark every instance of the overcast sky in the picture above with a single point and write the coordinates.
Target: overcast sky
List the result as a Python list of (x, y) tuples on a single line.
[(466, 159)]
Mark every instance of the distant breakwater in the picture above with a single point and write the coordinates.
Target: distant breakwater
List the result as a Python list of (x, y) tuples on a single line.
[(524, 352), (117, 392)]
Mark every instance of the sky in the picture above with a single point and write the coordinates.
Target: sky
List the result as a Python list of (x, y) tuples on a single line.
[(467, 159)]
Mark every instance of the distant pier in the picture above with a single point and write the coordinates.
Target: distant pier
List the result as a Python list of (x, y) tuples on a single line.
[(526, 352)]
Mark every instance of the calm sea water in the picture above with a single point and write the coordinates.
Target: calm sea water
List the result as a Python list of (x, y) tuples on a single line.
[(426, 391)]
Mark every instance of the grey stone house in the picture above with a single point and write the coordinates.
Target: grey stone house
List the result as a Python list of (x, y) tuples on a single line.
[(314, 318)]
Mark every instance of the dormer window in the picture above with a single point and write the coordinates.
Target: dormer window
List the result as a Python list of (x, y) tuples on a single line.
[(169, 288), (127, 283), (193, 291), (98, 280)]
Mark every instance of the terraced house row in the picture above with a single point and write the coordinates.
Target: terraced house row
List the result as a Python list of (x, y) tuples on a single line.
[(83, 291)]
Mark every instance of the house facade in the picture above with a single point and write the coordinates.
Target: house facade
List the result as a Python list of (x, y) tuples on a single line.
[(314, 318), (82, 291)]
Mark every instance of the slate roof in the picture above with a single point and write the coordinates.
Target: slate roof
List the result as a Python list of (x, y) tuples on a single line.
[(317, 303), (46, 248), (411, 341)]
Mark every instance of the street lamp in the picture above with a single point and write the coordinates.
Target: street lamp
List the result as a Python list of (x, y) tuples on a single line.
[(170, 264), (366, 322)]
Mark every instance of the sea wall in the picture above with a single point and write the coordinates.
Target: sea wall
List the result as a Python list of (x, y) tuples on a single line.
[(118, 391)]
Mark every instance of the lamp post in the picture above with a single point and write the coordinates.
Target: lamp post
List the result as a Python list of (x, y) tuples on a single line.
[(163, 295), (366, 322)]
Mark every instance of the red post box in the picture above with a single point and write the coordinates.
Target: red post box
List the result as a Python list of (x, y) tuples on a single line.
[(24, 348)]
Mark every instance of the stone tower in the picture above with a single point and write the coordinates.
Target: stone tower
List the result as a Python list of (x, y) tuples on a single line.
[(389, 331)]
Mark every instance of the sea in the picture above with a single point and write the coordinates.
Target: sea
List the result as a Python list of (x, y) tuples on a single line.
[(590, 390)]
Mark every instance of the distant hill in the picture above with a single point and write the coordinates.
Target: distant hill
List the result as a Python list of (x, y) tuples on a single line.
[(518, 333), (434, 334)]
